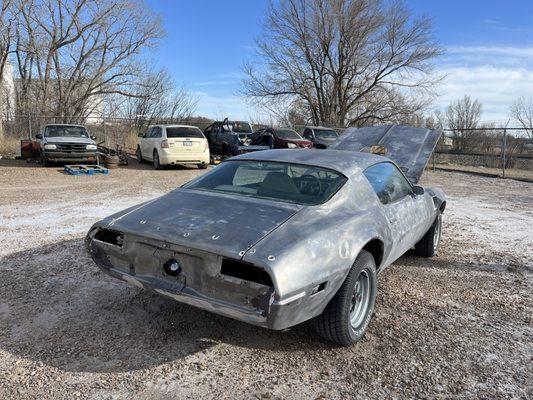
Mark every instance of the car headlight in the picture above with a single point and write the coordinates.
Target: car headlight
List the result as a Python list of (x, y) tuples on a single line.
[(50, 147), (291, 145), (91, 147)]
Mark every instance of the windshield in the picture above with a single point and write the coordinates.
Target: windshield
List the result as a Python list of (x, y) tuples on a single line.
[(326, 134), (288, 134), (65, 131), (185, 132), (240, 127), (286, 182)]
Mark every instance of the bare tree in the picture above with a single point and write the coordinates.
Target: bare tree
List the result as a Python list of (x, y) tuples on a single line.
[(71, 53), (156, 97), (350, 61), (7, 18), (462, 116), (522, 112)]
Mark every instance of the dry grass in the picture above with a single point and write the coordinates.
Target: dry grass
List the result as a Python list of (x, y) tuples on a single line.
[(10, 147)]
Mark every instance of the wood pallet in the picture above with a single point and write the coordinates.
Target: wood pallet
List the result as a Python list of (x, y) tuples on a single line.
[(86, 169)]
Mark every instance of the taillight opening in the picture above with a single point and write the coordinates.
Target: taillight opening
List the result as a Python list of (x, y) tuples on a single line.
[(245, 271), (110, 237)]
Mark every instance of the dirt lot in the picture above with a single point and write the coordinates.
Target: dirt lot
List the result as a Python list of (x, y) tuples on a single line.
[(459, 324)]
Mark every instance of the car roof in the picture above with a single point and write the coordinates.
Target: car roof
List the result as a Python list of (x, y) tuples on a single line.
[(77, 125), (319, 127), (173, 126), (346, 162)]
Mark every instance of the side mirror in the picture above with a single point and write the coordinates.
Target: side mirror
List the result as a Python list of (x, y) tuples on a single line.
[(140, 135), (93, 137), (418, 190), (38, 136)]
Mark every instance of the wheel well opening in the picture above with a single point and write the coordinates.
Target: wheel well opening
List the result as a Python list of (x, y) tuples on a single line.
[(224, 148), (375, 247)]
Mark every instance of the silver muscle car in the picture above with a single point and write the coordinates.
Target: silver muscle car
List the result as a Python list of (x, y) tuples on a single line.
[(278, 237)]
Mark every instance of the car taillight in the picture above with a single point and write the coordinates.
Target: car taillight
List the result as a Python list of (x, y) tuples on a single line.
[(164, 144)]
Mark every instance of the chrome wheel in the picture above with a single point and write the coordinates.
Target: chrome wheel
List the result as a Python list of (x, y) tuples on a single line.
[(360, 299), (437, 232)]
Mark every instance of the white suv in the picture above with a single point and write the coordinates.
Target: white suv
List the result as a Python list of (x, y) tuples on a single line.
[(173, 144)]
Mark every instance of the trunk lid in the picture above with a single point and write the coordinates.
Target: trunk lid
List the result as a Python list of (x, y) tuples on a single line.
[(407, 146), (223, 224), (186, 145)]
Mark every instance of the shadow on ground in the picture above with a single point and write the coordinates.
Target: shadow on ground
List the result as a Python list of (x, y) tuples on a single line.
[(58, 308)]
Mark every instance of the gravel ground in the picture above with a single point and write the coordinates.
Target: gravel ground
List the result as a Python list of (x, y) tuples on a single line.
[(459, 324)]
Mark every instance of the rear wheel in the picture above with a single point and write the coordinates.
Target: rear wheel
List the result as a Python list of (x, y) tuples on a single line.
[(347, 315), (140, 158), (428, 245), (202, 166), (157, 164)]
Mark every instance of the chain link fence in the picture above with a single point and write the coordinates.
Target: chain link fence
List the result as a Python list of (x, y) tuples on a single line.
[(506, 152)]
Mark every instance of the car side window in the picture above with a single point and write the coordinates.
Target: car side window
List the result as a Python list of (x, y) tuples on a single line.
[(157, 132), (148, 133), (388, 182), (307, 134)]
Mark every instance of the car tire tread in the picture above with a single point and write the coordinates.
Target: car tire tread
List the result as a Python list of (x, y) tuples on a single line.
[(425, 247), (333, 323)]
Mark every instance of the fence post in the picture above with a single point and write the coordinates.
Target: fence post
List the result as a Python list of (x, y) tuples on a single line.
[(503, 151), (105, 132)]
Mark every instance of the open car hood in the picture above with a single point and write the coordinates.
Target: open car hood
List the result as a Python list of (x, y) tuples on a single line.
[(407, 146)]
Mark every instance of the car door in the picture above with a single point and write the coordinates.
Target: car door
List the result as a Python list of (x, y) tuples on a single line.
[(145, 144), (155, 140), (401, 207)]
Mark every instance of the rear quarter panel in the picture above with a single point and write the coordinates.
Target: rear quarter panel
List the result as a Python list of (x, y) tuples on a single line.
[(320, 243)]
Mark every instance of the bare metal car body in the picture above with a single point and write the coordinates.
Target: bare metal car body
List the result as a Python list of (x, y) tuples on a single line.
[(268, 263)]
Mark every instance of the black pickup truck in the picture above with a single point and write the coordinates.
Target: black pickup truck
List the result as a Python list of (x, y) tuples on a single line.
[(229, 138)]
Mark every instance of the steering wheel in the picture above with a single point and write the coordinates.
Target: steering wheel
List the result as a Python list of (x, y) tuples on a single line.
[(310, 185)]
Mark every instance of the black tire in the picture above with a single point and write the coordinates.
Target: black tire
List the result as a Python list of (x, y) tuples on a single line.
[(157, 164), (45, 162), (428, 245), (224, 149), (202, 166), (337, 323), (139, 153)]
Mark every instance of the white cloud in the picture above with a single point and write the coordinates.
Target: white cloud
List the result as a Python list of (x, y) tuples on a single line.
[(489, 51), (494, 75), (214, 83)]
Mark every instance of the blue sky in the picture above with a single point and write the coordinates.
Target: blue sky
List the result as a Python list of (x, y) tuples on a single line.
[(489, 50)]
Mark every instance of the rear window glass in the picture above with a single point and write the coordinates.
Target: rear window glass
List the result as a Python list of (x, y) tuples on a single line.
[(326, 134), (184, 132), (286, 182)]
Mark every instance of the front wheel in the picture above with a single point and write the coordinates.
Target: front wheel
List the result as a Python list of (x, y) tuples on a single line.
[(347, 315), (428, 245), (202, 166)]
